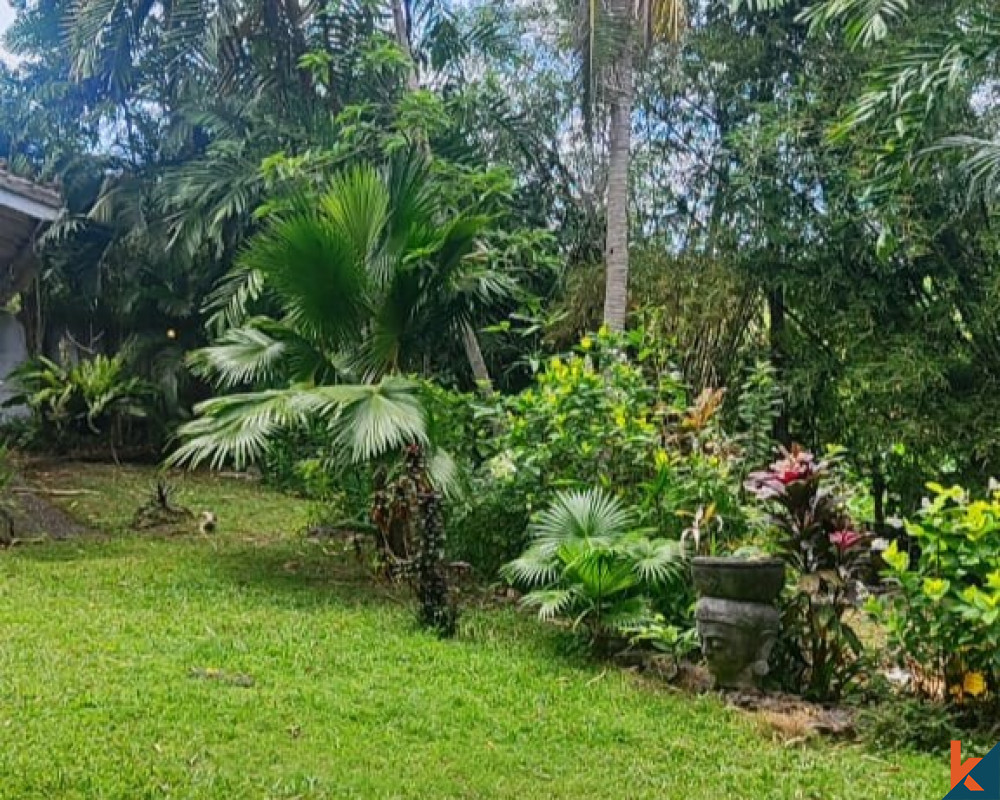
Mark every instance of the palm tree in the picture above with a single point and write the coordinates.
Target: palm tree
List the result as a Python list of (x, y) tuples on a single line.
[(590, 563), (329, 304), (934, 56), (218, 41), (615, 33)]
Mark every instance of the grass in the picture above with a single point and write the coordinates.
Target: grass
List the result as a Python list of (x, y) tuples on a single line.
[(254, 664)]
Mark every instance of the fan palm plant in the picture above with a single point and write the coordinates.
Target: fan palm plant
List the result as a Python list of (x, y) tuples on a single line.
[(328, 305), (588, 562)]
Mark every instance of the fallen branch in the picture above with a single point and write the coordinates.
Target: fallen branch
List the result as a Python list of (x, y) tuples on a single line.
[(33, 540), (52, 492)]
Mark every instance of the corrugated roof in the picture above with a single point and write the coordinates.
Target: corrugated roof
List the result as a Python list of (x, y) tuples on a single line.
[(24, 206), (41, 193)]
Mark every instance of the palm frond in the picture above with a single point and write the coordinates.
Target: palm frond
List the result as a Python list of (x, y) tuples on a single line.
[(665, 20), (316, 274), (864, 22), (656, 561), (357, 203), (230, 302), (380, 419), (911, 84), (366, 421), (626, 615), (602, 573), (551, 603), (981, 163), (241, 356), (444, 473), (758, 5), (590, 515), (535, 567)]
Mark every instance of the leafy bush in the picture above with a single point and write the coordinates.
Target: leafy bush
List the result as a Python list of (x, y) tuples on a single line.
[(95, 398), (908, 724), (487, 526), (757, 407), (613, 415), (818, 653), (944, 616), (296, 462), (588, 562)]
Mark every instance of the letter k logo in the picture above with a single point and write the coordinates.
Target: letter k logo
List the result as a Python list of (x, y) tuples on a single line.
[(960, 771)]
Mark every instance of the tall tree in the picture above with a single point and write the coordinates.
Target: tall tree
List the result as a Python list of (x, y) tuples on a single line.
[(616, 35)]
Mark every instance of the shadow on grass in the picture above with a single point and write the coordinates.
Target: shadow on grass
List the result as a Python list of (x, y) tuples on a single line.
[(302, 573), (91, 547), (305, 572)]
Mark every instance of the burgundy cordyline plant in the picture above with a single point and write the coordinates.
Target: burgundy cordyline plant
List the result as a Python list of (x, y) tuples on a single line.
[(816, 539), (805, 510)]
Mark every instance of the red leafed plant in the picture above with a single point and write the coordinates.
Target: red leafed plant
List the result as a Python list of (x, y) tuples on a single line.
[(807, 512), (817, 540)]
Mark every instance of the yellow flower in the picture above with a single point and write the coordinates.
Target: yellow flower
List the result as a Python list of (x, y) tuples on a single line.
[(971, 595), (586, 343), (900, 562), (620, 419), (976, 519), (974, 684), (935, 588), (661, 458), (975, 596)]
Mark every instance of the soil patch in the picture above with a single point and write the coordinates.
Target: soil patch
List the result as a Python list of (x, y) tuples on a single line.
[(34, 516)]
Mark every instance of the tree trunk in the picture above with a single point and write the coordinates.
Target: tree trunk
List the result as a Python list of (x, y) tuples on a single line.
[(475, 355), (776, 312), (619, 150), (401, 28)]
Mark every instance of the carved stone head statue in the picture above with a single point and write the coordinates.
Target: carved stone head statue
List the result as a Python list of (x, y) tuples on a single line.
[(737, 639)]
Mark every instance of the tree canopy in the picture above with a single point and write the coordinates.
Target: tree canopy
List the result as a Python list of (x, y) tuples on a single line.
[(813, 184)]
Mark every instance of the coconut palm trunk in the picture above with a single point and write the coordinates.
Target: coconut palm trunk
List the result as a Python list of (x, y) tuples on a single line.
[(619, 151)]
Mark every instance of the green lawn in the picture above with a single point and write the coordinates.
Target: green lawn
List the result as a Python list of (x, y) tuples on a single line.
[(256, 665)]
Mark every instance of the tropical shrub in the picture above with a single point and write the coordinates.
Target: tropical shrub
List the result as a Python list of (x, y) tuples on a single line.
[(487, 524), (371, 275), (613, 415), (907, 723), (590, 564), (293, 461), (943, 615), (818, 653), (343, 289), (757, 408), (93, 400)]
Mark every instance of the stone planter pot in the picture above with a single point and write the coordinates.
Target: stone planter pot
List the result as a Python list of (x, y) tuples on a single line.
[(737, 620)]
